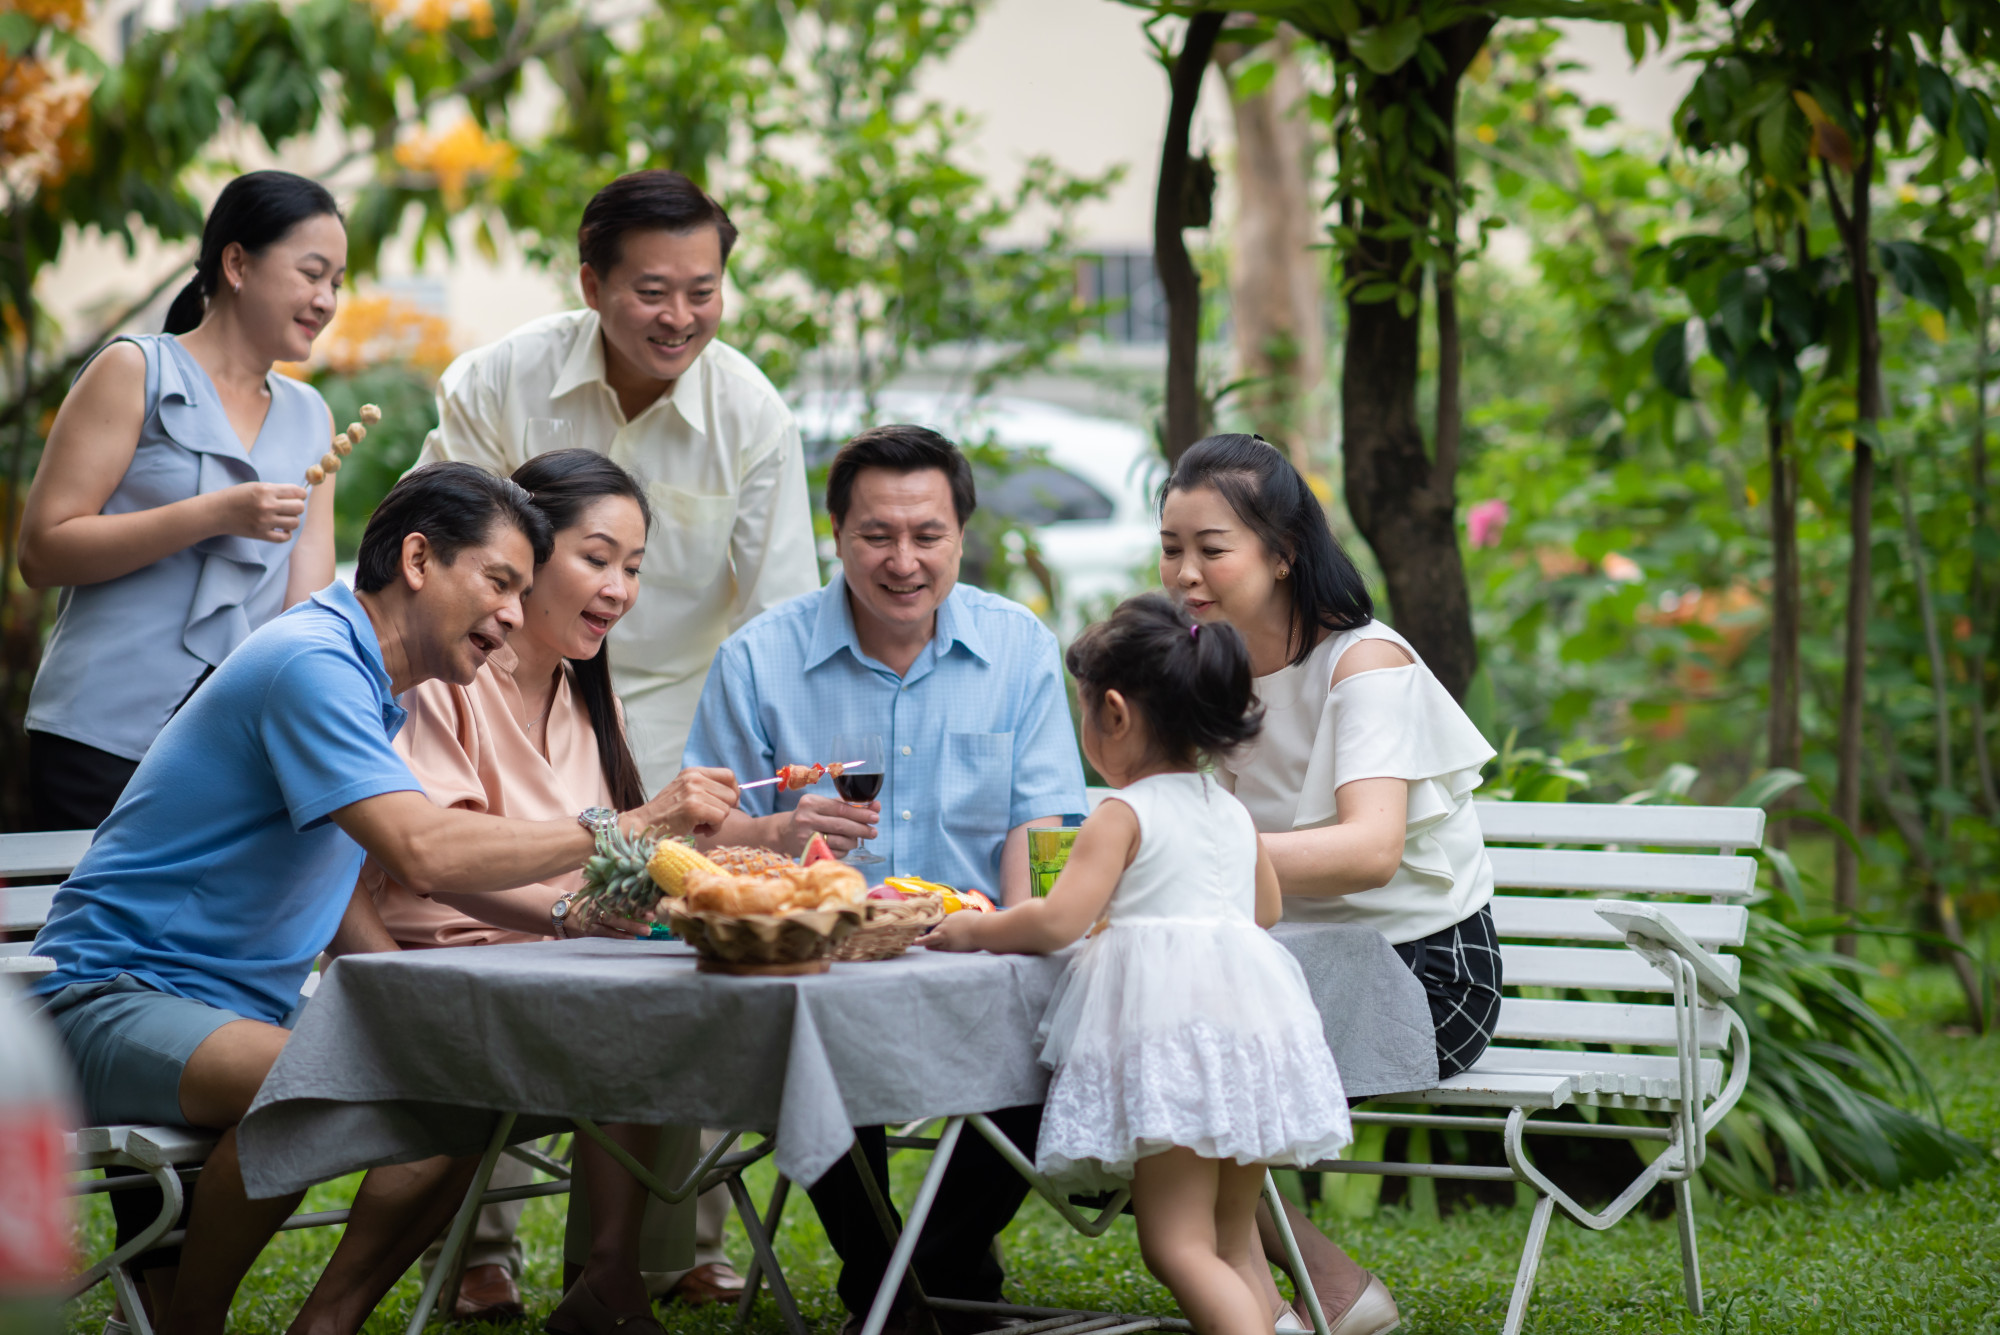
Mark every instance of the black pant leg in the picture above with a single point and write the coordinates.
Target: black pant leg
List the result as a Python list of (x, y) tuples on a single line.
[(851, 1225), (977, 1199), (72, 786)]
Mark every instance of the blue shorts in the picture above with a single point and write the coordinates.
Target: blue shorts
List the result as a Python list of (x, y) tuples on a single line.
[(130, 1043)]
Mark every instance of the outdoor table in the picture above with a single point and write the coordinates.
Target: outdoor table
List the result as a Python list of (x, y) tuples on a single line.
[(404, 1055)]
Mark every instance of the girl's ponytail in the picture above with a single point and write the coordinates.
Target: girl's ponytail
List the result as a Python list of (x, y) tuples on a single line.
[(1190, 682)]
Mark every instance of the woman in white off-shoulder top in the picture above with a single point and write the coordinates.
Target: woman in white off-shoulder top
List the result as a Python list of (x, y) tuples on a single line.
[(1361, 781)]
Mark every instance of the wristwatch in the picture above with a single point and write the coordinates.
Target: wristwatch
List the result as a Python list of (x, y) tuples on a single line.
[(597, 820), (559, 917)]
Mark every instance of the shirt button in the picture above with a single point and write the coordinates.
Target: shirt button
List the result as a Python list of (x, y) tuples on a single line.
[(906, 815), (906, 750)]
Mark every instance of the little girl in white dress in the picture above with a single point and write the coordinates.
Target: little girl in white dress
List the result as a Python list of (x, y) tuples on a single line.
[(1187, 1051)]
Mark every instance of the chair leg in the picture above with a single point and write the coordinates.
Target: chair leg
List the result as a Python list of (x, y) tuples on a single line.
[(1303, 1281), (1531, 1260), (754, 1281), (126, 1285), (1690, 1255)]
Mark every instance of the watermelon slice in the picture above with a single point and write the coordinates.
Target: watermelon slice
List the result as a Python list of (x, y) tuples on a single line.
[(817, 851)]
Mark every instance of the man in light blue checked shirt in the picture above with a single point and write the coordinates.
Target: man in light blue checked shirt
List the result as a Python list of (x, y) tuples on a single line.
[(964, 687), (966, 691)]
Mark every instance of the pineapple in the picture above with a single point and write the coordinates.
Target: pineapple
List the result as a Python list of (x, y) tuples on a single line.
[(615, 878)]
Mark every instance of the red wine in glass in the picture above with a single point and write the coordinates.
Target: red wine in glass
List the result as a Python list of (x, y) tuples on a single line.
[(860, 780), (858, 788)]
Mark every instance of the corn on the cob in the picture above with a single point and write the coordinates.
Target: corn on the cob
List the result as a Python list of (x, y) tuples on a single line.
[(672, 860)]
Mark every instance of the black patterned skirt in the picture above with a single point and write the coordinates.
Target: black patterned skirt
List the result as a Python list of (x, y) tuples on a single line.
[(1460, 970)]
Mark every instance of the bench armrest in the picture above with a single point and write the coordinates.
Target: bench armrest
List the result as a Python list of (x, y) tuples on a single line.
[(1648, 930)]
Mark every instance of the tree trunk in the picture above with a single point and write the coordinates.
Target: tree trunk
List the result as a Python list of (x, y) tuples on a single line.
[(1784, 719), (1976, 593), (1402, 500), (1853, 226), (1178, 279), (1276, 275)]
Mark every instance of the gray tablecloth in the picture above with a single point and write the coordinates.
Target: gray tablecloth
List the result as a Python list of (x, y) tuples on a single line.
[(405, 1055)]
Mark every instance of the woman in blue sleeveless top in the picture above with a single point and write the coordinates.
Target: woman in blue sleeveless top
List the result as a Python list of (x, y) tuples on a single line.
[(170, 505)]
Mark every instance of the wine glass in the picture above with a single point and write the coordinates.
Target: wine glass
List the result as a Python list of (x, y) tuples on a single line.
[(861, 781), (549, 433)]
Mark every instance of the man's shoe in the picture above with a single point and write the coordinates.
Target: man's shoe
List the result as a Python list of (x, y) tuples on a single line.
[(716, 1282), (1373, 1313), (488, 1293)]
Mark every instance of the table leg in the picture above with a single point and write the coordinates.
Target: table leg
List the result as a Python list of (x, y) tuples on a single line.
[(1302, 1281), (461, 1225), (755, 1278), (767, 1260), (906, 1245)]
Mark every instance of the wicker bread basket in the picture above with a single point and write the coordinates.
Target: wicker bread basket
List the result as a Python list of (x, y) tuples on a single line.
[(764, 943), (893, 924)]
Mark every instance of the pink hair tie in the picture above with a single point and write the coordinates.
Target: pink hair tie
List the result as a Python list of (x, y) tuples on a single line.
[(1194, 631)]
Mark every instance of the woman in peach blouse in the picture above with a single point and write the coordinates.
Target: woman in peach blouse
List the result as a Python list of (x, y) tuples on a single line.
[(539, 735)]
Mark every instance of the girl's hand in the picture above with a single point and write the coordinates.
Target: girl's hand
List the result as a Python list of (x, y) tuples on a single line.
[(266, 511), (958, 932)]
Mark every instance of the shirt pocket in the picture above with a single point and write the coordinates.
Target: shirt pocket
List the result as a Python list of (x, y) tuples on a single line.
[(690, 537), (977, 782)]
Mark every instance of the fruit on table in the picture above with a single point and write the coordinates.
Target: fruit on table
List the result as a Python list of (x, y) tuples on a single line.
[(617, 879), (958, 900), (817, 850), (888, 892), (917, 885), (670, 863)]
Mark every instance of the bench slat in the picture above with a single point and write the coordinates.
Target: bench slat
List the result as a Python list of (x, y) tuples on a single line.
[(1603, 823), (24, 908), (1633, 1074), (1534, 917), (1624, 873), (43, 852), (1500, 1089), (1620, 970), (1631, 1023)]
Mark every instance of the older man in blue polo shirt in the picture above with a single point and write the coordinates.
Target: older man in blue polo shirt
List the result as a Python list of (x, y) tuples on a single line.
[(183, 936), (966, 691)]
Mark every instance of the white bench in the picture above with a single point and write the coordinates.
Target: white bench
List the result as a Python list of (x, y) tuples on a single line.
[(1567, 923), (169, 1156)]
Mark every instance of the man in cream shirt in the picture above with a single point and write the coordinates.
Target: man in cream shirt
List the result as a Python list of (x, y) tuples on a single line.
[(640, 376)]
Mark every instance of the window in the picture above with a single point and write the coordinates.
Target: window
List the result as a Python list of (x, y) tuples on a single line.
[(1127, 280)]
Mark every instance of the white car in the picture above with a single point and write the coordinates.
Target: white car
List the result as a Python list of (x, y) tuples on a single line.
[(1085, 488)]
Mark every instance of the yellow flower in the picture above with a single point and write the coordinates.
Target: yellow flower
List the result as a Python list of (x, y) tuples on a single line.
[(1485, 133), (376, 327), (457, 157)]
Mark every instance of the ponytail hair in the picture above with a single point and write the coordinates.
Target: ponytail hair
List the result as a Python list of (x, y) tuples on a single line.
[(1189, 681), (563, 484), (252, 211), (1274, 502)]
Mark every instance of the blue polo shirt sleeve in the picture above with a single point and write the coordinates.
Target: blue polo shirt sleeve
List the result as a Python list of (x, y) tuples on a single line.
[(729, 728), (1048, 776), (323, 731)]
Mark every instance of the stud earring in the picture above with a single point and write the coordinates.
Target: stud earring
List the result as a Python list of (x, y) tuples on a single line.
[(1284, 571)]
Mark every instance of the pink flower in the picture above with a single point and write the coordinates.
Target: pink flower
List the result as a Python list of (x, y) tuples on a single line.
[(1622, 569), (1484, 521)]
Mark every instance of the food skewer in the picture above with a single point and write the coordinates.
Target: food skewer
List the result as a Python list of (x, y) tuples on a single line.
[(343, 445), (799, 776)]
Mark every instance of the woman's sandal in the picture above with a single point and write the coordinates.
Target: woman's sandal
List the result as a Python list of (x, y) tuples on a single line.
[(1373, 1313), (580, 1313)]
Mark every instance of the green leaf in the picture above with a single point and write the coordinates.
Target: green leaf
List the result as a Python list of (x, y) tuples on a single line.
[(1925, 273), (1670, 361), (1937, 94), (1386, 47), (1973, 122), (1767, 787), (1252, 79)]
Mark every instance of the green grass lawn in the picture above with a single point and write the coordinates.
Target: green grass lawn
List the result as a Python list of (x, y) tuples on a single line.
[(1922, 1259)]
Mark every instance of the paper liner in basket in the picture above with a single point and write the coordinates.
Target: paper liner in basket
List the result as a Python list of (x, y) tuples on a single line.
[(763, 938)]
